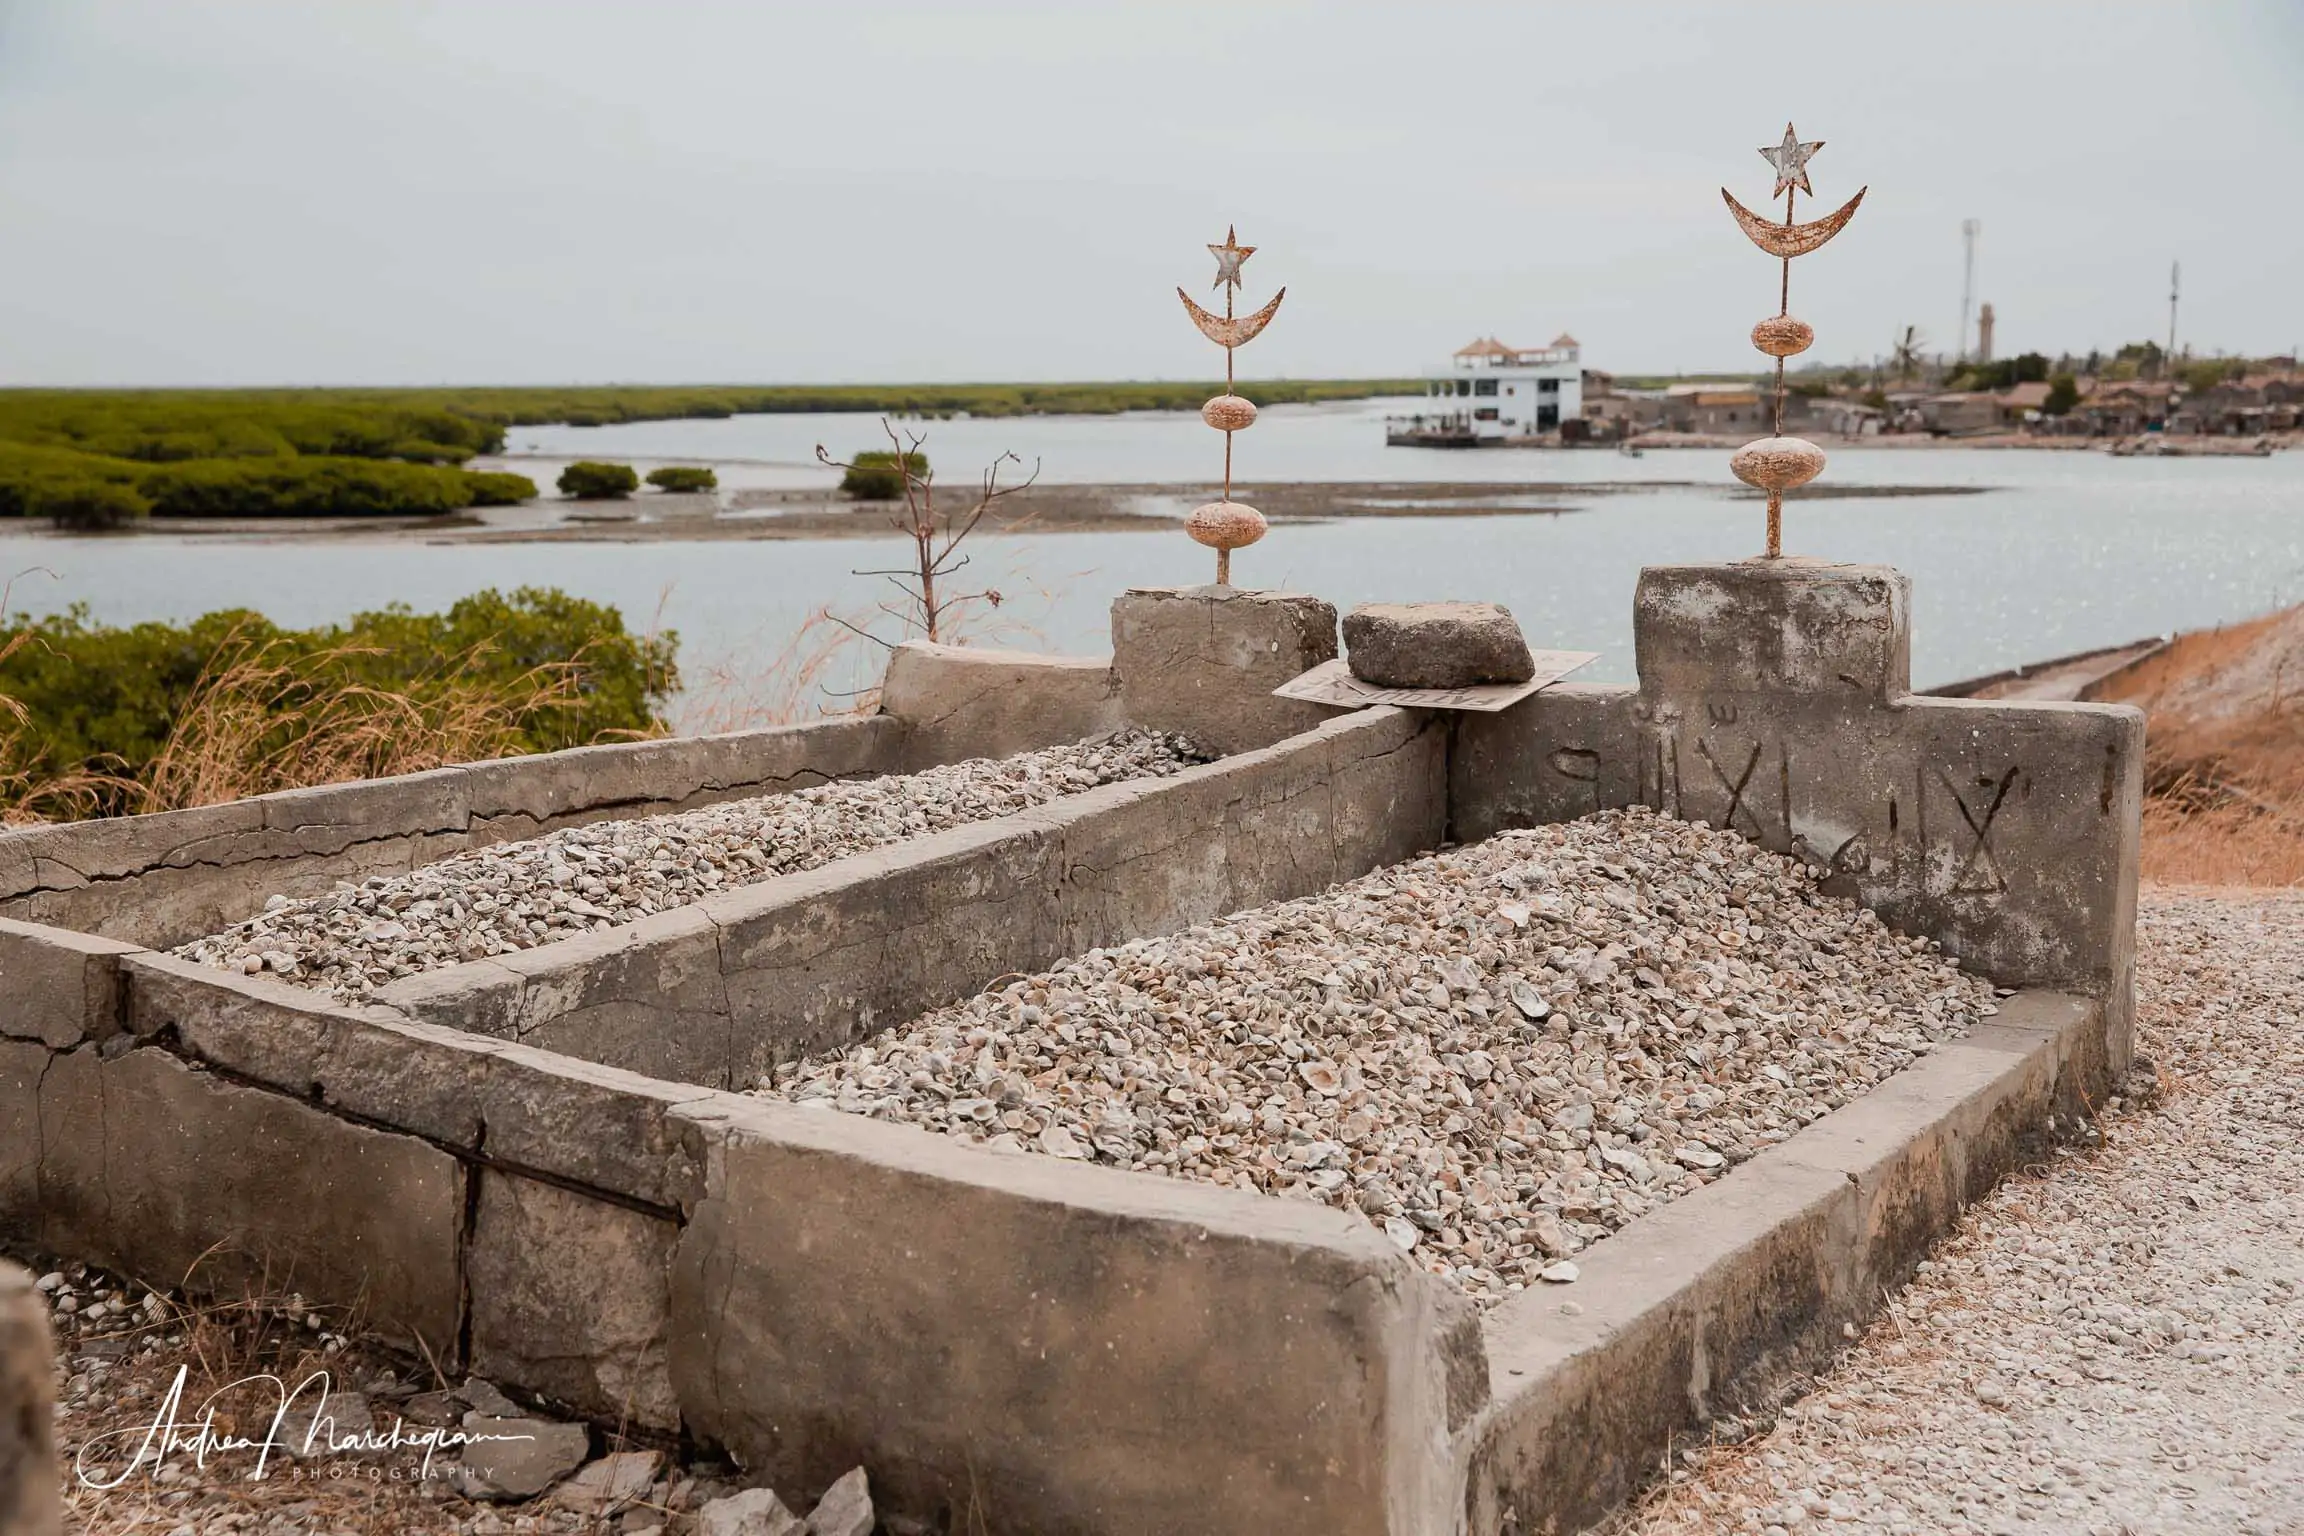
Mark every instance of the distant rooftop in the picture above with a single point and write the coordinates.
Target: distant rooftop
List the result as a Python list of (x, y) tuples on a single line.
[(1491, 349), (1487, 346)]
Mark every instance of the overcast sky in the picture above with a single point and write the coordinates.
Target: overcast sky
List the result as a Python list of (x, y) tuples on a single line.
[(391, 191)]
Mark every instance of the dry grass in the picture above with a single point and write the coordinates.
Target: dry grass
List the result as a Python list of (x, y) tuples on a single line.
[(26, 796), (2224, 765), (264, 717), (812, 675), (2197, 836), (237, 1357), (256, 722)]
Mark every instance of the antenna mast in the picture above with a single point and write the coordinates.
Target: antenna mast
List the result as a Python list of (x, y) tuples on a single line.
[(2174, 271), (1969, 230)]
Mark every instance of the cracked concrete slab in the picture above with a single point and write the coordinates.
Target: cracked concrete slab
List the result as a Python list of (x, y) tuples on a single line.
[(1203, 661)]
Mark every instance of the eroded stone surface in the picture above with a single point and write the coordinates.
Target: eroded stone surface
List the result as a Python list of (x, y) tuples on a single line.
[(1203, 661), (845, 1509), (754, 1512), (569, 1298), (29, 1499), (148, 1163), (518, 1458), (610, 1485), (1436, 645)]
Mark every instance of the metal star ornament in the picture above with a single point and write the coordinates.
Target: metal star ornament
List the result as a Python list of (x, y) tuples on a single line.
[(1228, 256), (1790, 159)]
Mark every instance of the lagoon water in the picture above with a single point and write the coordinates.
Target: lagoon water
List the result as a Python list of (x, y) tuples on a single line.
[(2062, 552)]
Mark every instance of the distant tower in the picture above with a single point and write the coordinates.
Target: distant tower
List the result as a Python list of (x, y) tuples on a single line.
[(1984, 334), (2173, 272), (1969, 230)]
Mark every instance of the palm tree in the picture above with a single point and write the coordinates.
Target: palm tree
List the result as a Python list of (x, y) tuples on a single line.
[(1906, 354)]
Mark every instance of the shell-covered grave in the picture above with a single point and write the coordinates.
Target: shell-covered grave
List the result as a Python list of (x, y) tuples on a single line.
[(1499, 1053)]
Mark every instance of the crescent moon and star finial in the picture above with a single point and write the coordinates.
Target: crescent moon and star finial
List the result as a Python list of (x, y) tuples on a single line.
[(1777, 463), (1227, 525)]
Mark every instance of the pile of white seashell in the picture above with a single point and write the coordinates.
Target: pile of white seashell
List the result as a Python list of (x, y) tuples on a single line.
[(514, 896), (1499, 1053)]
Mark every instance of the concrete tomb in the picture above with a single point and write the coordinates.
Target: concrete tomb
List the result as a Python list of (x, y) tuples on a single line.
[(533, 1165)]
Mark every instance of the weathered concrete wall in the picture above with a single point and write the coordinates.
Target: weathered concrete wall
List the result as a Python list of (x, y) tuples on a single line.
[(167, 878), (963, 701), (813, 1290), (569, 1298), (489, 1102), (719, 992), (1203, 661), (57, 986), (513, 1210), (1065, 1349), (30, 1502), (1716, 1299), (143, 1163), (1775, 699)]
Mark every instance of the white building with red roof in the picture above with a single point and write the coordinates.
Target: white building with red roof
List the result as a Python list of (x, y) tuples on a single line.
[(1491, 393)]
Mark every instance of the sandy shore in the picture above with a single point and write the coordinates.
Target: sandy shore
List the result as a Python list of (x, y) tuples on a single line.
[(823, 514), (819, 512)]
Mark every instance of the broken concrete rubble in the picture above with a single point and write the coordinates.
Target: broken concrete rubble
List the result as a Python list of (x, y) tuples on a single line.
[(753, 1512), (1436, 645), (518, 1458)]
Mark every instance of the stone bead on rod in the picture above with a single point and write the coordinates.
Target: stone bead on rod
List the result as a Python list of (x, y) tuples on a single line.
[(1225, 526)]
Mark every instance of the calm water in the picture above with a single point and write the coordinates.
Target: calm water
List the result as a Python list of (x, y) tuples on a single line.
[(2064, 552), (1340, 441)]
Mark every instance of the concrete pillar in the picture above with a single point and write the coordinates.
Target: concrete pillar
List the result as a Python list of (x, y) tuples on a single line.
[(1203, 661), (30, 1504), (1834, 633), (1775, 698)]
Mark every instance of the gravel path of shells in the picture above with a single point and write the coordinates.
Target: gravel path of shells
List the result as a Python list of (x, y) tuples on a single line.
[(2116, 1347), (513, 896), (1499, 1053)]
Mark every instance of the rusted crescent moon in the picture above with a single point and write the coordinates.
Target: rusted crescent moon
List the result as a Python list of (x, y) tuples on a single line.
[(1232, 333), (1789, 240)]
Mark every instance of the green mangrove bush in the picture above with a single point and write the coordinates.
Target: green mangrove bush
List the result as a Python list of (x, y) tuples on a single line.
[(590, 480), (106, 720), (879, 475), (683, 477)]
